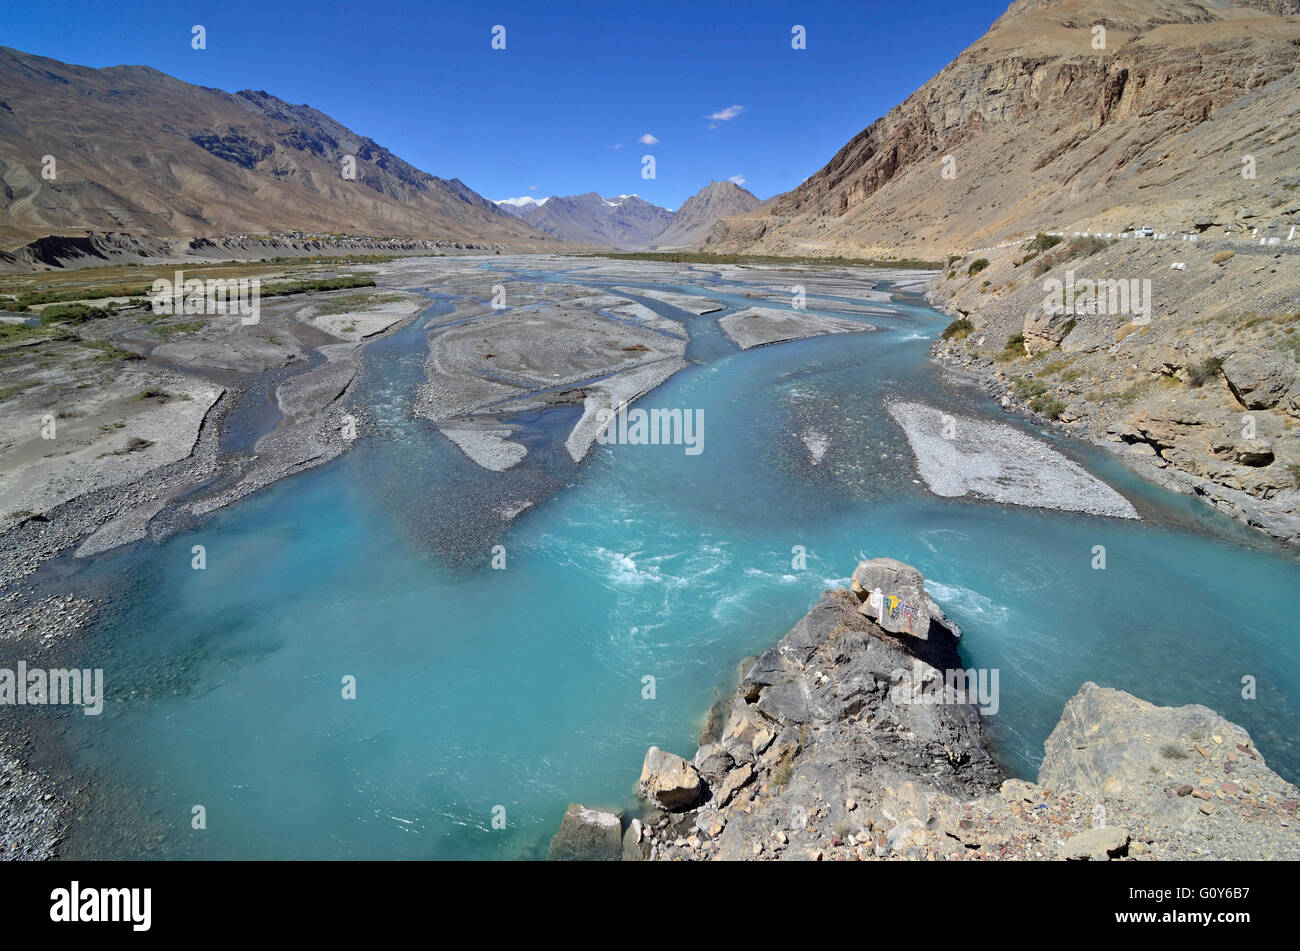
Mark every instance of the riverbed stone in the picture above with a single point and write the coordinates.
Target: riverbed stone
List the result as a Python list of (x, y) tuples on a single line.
[(587, 835)]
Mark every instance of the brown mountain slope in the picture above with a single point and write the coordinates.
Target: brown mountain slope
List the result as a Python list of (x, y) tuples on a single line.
[(699, 213), (138, 151), (1044, 131)]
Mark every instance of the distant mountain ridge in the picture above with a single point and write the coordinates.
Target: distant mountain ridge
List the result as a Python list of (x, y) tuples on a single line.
[(628, 222), (137, 151)]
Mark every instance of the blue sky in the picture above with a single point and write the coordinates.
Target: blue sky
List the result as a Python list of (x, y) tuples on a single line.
[(562, 108)]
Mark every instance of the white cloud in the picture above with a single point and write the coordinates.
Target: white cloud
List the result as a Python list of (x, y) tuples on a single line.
[(723, 115), (527, 201), (648, 139), (616, 146), (738, 180)]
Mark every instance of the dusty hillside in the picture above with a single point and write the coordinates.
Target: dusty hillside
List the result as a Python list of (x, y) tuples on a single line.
[(1032, 128), (699, 213), (137, 151)]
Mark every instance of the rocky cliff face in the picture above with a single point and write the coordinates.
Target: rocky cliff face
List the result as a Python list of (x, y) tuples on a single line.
[(848, 742), (699, 213), (1038, 126), (1185, 361), (137, 151)]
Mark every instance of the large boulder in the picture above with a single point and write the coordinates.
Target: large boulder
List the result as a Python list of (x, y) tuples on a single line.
[(1042, 331), (746, 733), (669, 781), (587, 835), (1262, 378), (1111, 745), (713, 761), (893, 595)]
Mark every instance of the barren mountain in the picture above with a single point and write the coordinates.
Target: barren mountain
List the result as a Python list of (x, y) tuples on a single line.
[(698, 214), (625, 222), (1096, 115), (137, 151)]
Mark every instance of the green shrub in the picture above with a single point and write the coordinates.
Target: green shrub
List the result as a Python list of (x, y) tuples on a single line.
[(1027, 387), (1042, 242), (1048, 406), (958, 329), (977, 266), (1198, 374), (1087, 247)]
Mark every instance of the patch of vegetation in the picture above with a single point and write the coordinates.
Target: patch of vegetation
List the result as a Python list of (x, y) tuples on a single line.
[(27, 299), (1015, 347), (152, 393), (185, 327), (350, 302), (15, 332), (321, 284), (1027, 387), (958, 329), (977, 266), (1294, 469), (781, 775), (1051, 369), (1049, 406), (1198, 374), (73, 313), (1042, 242), (16, 389), (1087, 247), (109, 350)]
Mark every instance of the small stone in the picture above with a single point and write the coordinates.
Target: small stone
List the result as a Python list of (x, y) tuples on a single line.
[(1231, 788), (1207, 808), (1184, 790)]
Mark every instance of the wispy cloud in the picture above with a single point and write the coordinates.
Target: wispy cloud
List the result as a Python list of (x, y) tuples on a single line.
[(738, 180), (724, 115), (616, 146), (648, 139)]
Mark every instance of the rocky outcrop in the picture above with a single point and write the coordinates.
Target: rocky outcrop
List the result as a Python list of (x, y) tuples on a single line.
[(1200, 392), (668, 780), (847, 741), (587, 835)]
